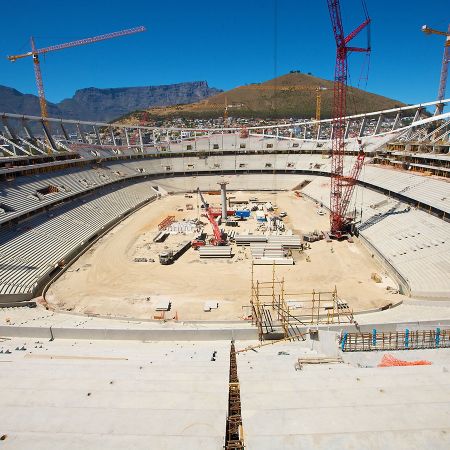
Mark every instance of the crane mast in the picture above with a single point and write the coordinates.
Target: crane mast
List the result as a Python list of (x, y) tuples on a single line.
[(35, 52), (341, 186), (444, 68), (218, 238), (38, 76)]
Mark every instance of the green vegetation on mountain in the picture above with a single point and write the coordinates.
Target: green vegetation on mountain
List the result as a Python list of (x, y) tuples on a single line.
[(291, 95)]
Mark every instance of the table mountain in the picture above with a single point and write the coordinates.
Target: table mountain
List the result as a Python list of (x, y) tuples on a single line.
[(107, 104)]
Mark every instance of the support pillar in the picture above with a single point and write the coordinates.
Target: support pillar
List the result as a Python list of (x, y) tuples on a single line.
[(49, 136), (379, 123), (362, 129), (97, 134), (141, 140), (223, 191), (27, 129), (81, 134), (113, 137), (64, 131), (396, 121)]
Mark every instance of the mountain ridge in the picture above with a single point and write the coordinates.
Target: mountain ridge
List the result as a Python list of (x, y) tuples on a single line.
[(290, 95), (106, 104)]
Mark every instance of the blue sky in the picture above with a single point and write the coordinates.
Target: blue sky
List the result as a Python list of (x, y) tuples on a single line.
[(225, 43)]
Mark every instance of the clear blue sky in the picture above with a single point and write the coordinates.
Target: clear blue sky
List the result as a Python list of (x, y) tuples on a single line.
[(226, 43)]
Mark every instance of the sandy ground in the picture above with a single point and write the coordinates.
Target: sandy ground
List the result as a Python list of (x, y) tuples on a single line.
[(107, 281)]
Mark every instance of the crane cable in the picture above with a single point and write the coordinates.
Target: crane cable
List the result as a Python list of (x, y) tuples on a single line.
[(364, 73)]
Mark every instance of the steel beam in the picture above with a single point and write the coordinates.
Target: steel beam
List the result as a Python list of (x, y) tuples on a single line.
[(81, 133), (286, 125), (14, 146), (362, 127), (48, 135), (141, 140), (97, 135), (347, 130), (378, 125), (113, 137), (27, 129), (10, 133), (31, 145), (64, 132), (396, 121)]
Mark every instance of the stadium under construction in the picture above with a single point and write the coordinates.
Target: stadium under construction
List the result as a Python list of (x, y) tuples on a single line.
[(280, 286)]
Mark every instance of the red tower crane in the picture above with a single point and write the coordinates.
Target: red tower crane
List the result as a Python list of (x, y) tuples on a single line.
[(35, 52), (342, 187), (219, 238)]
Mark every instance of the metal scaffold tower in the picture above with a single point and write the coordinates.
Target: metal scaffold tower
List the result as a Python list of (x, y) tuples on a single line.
[(281, 314)]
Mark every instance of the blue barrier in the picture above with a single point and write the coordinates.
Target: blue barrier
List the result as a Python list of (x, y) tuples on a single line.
[(374, 337), (407, 338), (344, 341), (438, 336)]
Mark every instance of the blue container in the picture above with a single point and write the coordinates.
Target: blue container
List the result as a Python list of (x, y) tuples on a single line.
[(242, 214)]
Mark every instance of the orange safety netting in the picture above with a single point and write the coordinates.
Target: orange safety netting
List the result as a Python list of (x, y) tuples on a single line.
[(390, 361)]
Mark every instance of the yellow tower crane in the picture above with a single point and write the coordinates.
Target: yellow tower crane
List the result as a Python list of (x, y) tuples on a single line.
[(444, 69), (35, 52), (276, 87)]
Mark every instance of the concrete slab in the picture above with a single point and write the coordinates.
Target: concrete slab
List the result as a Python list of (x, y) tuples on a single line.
[(94, 394), (349, 405)]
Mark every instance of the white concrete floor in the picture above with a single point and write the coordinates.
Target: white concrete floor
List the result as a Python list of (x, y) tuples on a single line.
[(116, 395), (340, 406)]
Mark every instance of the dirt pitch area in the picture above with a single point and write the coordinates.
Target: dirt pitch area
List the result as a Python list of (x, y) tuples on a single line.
[(107, 281)]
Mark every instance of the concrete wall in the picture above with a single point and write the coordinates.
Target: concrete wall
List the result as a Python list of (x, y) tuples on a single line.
[(200, 334)]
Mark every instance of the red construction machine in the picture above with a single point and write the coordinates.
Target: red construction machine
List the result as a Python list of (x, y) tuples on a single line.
[(219, 237)]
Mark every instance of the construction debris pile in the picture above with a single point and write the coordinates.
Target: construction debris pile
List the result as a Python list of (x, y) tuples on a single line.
[(215, 251), (184, 227), (270, 249)]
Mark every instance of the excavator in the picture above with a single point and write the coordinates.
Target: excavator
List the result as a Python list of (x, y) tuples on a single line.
[(219, 238)]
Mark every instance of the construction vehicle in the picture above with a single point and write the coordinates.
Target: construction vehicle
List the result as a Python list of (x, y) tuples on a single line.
[(170, 256), (342, 187), (219, 238), (199, 241), (166, 258)]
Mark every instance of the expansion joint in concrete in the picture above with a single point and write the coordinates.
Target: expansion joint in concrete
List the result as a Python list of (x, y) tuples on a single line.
[(234, 438)]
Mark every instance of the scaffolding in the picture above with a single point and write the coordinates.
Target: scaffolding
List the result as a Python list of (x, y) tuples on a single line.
[(280, 314)]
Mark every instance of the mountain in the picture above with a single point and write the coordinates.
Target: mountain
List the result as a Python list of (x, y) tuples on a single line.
[(13, 101), (107, 104), (290, 95)]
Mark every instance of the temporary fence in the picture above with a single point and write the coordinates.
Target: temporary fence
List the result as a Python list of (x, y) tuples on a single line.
[(395, 340)]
